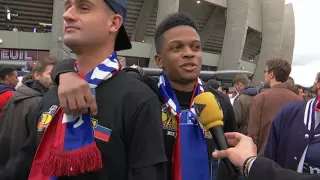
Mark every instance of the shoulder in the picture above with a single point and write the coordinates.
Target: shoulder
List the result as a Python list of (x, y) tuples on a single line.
[(222, 98), (131, 89), (294, 106), (49, 99)]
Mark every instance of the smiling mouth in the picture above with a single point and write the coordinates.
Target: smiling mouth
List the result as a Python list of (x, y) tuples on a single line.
[(189, 67)]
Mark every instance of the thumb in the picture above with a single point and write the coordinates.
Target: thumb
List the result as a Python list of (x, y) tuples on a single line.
[(220, 154)]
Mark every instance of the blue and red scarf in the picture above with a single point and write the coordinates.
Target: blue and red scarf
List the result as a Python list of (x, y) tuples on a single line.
[(190, 156), (68, 147)]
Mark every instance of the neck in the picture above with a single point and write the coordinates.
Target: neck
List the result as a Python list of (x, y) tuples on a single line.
[(5, 82), (182, 87), (89, 58), (273, 83)]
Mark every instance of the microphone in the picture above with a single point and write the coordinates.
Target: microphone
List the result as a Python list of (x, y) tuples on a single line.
[(210, 115)]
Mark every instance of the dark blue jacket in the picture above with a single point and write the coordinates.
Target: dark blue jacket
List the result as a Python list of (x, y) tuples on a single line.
[(289, 136)]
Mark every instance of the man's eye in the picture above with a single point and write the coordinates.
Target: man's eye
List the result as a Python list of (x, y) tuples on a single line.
[(84, 8), (197, 47)]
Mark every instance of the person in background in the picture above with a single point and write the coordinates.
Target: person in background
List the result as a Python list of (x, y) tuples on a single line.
[(242, 103), (26, 77), (24, 101), (266, 105), (213, 84), (8, 81), (292, 150), (301, 90), (243, 154), (224, 90)]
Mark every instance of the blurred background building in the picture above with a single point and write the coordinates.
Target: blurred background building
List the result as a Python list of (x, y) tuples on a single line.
[(235, 34)]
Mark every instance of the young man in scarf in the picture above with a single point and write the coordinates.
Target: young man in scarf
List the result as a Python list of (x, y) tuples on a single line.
[(124, 140), (294, 138), (179, 56)]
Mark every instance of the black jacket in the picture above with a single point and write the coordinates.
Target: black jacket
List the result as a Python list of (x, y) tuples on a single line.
[(16, 118), (265, 169), (133, 115), (169, 134)]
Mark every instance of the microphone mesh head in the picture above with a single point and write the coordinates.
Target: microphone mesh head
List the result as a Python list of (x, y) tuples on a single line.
[(208, 110)]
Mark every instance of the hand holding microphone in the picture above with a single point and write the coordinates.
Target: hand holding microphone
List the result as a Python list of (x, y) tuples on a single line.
[(210, 115)]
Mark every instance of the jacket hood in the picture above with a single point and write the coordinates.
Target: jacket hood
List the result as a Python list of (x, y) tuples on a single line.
[(5, 87), (249, 90), (31, 88)]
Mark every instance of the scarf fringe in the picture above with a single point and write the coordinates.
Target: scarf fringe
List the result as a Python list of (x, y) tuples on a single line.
[(72, 163)]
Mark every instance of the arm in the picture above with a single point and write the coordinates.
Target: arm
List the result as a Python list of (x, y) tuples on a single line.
[(63, 66), (255, 119), (265, 169), (18, 167), (147, 156), (271, 148)]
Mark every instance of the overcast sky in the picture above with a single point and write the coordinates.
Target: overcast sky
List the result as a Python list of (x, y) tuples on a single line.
[(306, 60)]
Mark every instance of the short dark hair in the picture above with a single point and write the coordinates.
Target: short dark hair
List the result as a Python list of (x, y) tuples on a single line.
[(281, 69), (6, 71), (42, 64), (225, 88), (26, 77), (173, 20)]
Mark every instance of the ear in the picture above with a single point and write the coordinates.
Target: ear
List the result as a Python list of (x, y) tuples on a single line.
[(115, 23), (159, 61), (36, 75), (272, 74), (318, 85)]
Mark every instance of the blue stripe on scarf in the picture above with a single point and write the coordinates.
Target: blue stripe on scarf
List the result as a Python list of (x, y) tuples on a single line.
[(193, 143), (77, 137)]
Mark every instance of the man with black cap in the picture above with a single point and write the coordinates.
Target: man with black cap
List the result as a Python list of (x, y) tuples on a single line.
[(124, 139)]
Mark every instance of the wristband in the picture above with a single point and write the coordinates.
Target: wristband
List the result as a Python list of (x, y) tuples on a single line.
[(247, 165)]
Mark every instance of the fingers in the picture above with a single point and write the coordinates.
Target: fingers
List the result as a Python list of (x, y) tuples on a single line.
[(63, 103), (91, 102), (234, 135), (232, 142), (221, 154)]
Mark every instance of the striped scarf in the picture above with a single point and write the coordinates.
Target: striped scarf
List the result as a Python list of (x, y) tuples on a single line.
[(68, 147), (190, 155), (310, 122)]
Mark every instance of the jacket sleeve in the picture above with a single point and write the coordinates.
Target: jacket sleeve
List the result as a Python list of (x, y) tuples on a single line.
[(61, 67), (238, 111), (18, 167), (271, 148), (147, 157), (255, 118), (265, 169)]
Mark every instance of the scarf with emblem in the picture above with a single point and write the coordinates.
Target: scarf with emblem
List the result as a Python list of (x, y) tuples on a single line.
[(68, 147), (190, 155)]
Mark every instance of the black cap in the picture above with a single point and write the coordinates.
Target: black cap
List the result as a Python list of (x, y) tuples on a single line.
[(120, 7)]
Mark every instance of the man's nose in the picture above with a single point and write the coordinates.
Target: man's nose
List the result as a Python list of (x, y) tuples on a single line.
[(69, 15), (188, 52)]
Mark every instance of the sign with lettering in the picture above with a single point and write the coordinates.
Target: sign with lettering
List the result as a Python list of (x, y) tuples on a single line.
[(22, 54)]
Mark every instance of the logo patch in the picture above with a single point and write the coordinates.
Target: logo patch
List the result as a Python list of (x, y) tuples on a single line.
[(100, 132), (46, 118), (169, 123)]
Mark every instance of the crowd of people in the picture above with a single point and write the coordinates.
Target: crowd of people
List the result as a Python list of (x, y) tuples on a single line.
[(90, 118)]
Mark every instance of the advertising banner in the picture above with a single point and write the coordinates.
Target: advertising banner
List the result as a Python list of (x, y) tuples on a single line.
[(23, 54)]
